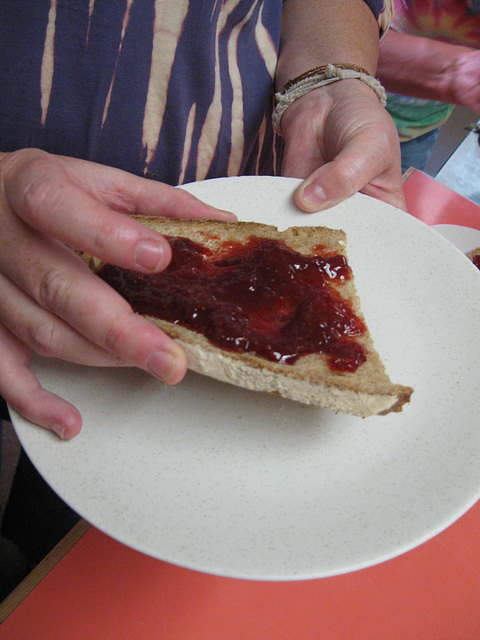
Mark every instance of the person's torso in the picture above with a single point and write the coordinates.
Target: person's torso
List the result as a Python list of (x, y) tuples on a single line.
[(175, 90)]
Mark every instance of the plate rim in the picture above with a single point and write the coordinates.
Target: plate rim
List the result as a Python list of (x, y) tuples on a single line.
[(360, 565)]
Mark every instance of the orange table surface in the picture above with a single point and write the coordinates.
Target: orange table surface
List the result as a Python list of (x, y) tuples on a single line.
[(434, 203), (103, 589)]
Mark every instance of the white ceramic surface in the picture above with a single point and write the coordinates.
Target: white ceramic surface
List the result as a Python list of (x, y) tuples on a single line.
[(238, 483), (464, 238)]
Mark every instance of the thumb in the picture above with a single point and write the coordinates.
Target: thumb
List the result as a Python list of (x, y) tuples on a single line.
[(344, 176), (330, 184)]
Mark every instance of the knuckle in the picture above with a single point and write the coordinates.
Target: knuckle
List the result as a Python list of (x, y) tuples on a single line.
[(103, 236), (54, 289), (30, 179), (349, 175), (387, 140), (115, 337), (43, 339), (344, 178), (39, 193), (21, 404), (18, 160)]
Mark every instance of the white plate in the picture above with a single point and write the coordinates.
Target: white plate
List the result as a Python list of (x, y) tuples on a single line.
[(464, 238), (238, 483)]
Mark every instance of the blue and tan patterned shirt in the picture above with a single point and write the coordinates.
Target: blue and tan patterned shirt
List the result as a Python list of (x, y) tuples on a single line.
[(174, 90)]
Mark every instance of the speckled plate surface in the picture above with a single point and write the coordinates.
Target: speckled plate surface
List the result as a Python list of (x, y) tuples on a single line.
[(243, 484), (464, 238)]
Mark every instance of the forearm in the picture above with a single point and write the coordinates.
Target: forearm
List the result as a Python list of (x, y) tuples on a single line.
[(420, 67), (316, 32)]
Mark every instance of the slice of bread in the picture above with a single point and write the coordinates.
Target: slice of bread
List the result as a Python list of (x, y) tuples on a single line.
[(474, 256), (310, 379)]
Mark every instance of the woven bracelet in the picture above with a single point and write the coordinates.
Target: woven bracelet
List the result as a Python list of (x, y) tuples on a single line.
[(319, 77)]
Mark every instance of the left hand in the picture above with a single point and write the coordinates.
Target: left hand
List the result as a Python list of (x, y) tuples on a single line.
[(341, 140)]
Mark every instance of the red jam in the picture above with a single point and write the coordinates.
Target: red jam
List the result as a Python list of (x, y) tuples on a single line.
[(476, 261), (261, 297)]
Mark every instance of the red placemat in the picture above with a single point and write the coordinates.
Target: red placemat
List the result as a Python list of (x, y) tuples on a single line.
[(434, 203), (102, 589)]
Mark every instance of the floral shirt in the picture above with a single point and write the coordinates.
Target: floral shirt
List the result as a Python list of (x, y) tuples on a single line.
[(455, 21), (176, 90)]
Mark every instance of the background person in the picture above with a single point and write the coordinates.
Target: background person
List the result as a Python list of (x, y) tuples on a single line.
[(430, 61)]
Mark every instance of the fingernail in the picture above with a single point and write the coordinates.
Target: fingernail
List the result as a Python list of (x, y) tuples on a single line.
[(162, 364), (58, 429), (228, 216), (149, 255), (314, 195)]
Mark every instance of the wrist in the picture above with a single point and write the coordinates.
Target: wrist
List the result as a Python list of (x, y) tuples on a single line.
[(315, 105), (320, 77), (463, 78)]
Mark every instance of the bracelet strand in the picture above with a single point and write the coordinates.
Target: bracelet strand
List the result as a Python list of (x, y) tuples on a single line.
[(319, 77)]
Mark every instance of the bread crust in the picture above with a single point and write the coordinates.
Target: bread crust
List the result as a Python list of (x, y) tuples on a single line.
[(474, 253), (367, 391)]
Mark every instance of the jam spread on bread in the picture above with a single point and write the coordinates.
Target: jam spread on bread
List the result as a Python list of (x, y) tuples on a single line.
[(476, 261), (259, 297)]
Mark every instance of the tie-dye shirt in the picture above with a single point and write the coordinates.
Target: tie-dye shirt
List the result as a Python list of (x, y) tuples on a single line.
[(455, 21), (174, 90)]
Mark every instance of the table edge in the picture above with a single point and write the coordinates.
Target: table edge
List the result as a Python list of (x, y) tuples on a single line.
[(42, 569)]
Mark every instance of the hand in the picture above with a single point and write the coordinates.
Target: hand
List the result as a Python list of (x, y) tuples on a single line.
[(341, 140), (50, 302), (465, 79)]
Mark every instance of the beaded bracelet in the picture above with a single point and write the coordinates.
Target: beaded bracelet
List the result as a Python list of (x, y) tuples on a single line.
[(319, 77)]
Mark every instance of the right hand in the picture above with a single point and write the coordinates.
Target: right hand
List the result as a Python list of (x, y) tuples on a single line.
[(465, 79), (50, 303)]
